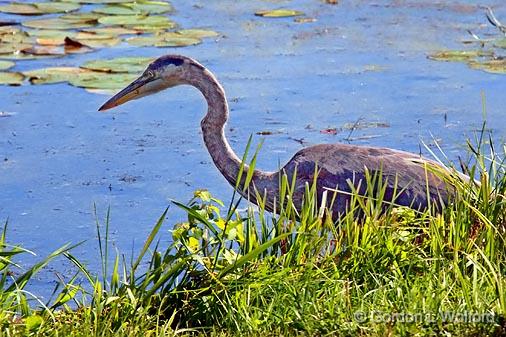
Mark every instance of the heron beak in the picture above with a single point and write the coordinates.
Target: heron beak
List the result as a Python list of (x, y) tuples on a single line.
[(139, 88)]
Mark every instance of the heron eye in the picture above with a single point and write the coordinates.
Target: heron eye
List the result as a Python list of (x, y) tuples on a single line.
[(150, 73)]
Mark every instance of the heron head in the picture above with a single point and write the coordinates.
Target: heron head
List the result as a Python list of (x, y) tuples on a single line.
[(165, 72)]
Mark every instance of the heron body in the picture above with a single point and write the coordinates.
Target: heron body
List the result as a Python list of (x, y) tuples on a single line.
[(407, 179)]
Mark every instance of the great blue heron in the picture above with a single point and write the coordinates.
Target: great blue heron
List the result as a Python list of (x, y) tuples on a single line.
[(408, 179)]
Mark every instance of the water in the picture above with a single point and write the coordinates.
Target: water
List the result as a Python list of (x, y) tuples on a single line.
[(360, 59)]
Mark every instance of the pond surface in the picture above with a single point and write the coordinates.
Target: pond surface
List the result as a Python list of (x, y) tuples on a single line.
[(359, 61)]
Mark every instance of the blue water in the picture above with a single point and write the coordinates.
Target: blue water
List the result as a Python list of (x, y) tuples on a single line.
[(360, 60)]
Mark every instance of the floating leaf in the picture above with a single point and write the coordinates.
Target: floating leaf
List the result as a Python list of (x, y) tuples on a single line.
[(11, 78), (98, 1), (10, 48), (156, 22), (136, 8), (53, 74), (69, 47), (6, 65), (82, 17), (490, 66), (38, 8), (458, 55), (197, 33), (279, 13), (112, 31), (101, 80), (58, 23), (133, 65), (166, 40)]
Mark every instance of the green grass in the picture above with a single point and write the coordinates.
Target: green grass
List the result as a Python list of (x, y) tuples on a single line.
[(228, 273)]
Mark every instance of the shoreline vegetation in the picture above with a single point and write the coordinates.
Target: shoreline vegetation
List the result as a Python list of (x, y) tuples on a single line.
[(227, 273)]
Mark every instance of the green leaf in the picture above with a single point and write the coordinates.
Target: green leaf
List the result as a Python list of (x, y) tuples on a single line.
[(155, 22), (11, 78), (170, 40), (38, 8), (133, 65), (136, 8), (458, 55), (33, 322), (197, 33), (53, 74), (279, 13), (100, 80), (4, 65), (58, 23)]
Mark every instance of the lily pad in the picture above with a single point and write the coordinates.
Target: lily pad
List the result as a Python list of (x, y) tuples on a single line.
[(98, 1), (39, 8), (197, 33), (115, 31), (104, 81), (11, 78), (458, 55), (279, 13), (133, 65), (58, 23), (6, 65), (168, 40), (156, 22), (53, 74), (136, 8), (82, 17), (9, 48), (69, 47), (490, 66)]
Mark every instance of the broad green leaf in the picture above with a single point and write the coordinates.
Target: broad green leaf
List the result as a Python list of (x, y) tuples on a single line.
[(457, 55), (53, 74), (11, 78), (155, 22), (57, 23), (197, 33), (136, 8), (6, 65), (101, 80), (490, 66), (98, 1), (33, 322), (163, 41), (133, 65), (38, 8), (9, 48), (115, 31), (279, 13), (86, 17)]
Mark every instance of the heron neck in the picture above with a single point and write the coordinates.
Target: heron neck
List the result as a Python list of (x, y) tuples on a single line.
[(213, 124)]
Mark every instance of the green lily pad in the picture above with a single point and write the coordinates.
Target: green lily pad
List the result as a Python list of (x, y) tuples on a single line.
[(39, 8), (85, 38), (104, 81), (167, 40), (82, 17), (9, 48), (133, 65), (4, 65), (136, 8), (57, 23), (197, 33), (11, 78), (490, 66), (50, 33), (458, 55), (98, 1), (156, 22), (18, 37), (53, 74), (115, 31), (279, 13)]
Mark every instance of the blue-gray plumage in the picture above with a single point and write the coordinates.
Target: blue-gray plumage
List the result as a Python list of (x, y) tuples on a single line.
[(408, 179)]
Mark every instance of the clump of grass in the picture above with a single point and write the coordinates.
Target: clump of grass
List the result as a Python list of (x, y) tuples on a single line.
[(393, 271)]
